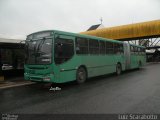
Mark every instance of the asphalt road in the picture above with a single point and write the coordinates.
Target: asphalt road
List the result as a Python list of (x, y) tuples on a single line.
[(136, 91)]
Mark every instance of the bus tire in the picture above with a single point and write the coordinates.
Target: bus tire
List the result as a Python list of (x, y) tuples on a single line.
[(118, 69), (81, 75)]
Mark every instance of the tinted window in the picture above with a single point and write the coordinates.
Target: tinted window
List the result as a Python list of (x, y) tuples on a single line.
[(64, 50), (93, 46), (139, 50), (118, 48), (121, 48), (131, 47), (102, 47), (81, 46), (109, 48), (142, 50), (133, 50)]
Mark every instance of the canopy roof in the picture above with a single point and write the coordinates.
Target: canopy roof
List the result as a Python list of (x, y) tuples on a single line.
[(130, 31)]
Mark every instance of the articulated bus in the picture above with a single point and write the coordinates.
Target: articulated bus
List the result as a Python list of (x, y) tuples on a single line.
[(59, 57)]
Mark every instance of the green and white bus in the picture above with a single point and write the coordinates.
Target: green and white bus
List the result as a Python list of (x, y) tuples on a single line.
[(59, 57)]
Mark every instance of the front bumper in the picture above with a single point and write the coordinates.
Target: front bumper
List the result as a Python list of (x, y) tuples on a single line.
[(39, 78)]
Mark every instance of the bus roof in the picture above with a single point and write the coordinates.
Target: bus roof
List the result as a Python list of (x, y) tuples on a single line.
[(82, 35)]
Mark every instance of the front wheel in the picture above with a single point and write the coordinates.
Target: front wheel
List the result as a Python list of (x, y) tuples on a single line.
[(81, 75), (118, 69)]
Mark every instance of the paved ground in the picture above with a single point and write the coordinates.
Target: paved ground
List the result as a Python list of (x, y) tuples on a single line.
[(136, 91), (14, 82)]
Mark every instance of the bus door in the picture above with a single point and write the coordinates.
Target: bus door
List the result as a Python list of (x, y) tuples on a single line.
[(63, 52), (127, 55)]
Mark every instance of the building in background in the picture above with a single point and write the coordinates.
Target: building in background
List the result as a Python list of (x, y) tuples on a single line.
[(11, 54)]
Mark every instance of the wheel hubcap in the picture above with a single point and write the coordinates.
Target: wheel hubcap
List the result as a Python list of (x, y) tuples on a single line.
[(81, 75)]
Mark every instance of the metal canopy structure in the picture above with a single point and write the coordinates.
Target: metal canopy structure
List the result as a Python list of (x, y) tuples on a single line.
[(11, 43), (11, 54), (145, 33)]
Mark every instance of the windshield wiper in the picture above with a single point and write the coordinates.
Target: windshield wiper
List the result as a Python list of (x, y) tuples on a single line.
[(40, 44), (37, 51)]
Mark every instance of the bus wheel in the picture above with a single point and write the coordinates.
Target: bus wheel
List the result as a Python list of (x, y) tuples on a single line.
[(81, 75), (118, 69)]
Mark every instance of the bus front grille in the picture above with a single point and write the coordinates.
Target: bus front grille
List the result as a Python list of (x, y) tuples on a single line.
[(32, 71), (36, 78)]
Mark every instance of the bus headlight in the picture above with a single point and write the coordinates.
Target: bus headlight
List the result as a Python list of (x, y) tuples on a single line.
[(46, 79)]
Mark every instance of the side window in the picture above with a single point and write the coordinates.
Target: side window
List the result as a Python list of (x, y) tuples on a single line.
[(102, 47), (64, 50), (109, 48), (135, 50), (93, 46), (143, 50), (132, 49), (139, 50), (121, 48), (116, 48), (81, 46)]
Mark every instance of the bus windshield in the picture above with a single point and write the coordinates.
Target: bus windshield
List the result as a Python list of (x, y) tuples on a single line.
[(38, 51)]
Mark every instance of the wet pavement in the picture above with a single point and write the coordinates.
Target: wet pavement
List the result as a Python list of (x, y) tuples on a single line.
[(136, 91)]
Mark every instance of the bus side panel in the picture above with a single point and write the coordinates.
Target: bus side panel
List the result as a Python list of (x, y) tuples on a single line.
[(95, 65), (99, 65), (133, 61), (102, 64), (141, 60)]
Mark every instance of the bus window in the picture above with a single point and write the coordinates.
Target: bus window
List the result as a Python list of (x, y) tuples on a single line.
[(93, 46), (109, 48), (117, 48), (121, 48), (143, 50), (64, 50), (139, 50), (81, 46), (132, 49), (102, 47), (135, 50)]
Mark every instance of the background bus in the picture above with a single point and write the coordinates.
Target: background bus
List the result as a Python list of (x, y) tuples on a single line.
[(58, 57)]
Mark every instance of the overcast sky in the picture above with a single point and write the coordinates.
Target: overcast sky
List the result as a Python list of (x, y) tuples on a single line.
[(21, 17)]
